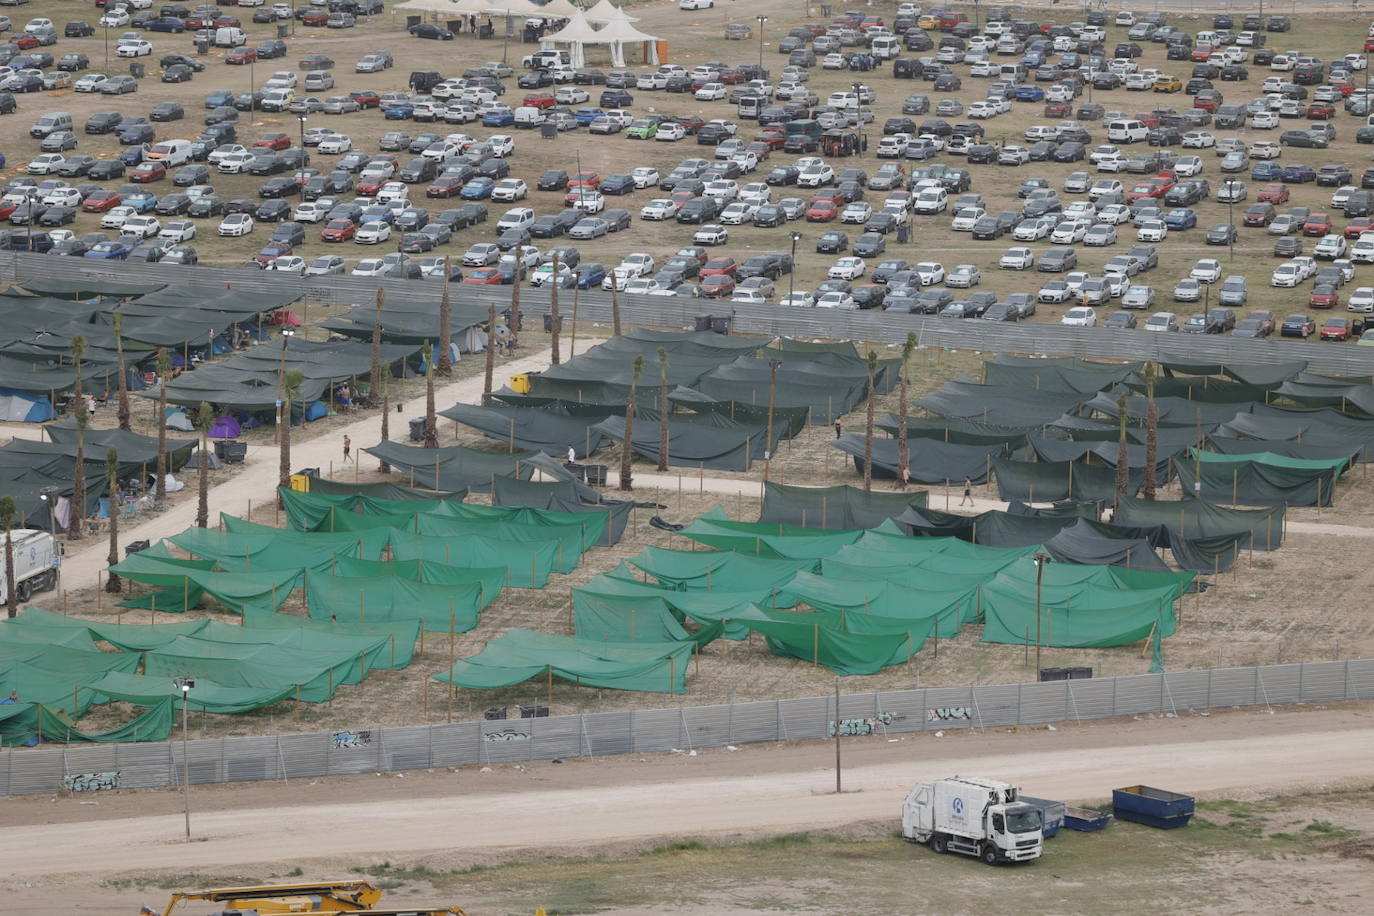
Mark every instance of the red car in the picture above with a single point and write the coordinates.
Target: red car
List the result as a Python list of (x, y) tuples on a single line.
[(1336, 329), (585, 180), (538, 100), (301, 176), (273, 141), (722, 266), (691, 122), (270, 253), (1273, 194), (1058, 109), (1317, 224), (717, 286), (366, 98), (445, 186), (760, 149), (25, 41), (316, 17), (1358, 225), (1200, 55), (100, 201), (1324, 296), (484, 276), (197, 22), (338, 230), (241, 56), (7, 208), (227, 22), (148, 171), (1344, 87), (822, 211), (1150, 120), (367, 187), (1323, 111), (1369, 44), (771, 140)]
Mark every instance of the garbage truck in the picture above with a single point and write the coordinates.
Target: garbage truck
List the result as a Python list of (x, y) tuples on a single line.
[(36, 561), (975, 817)]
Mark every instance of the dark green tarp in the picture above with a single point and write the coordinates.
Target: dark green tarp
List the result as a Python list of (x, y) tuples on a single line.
[(546, 429), (1002, 405), (721, 444), (792, 420), (958, 431), (1052, 481), (834, 507), (929, 461), (1055, 374), (562, 496), (518, 655), (1082, 542), (323, 485), (1261, 479), (1196, 518), (454, 467), (1264, 374)]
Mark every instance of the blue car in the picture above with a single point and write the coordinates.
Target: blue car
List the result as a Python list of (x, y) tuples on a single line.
[(590, 276), (477, 189), (167, 24), (1266, 171), (141, 201), (1299, 174), (137, 133), (585, 116), (1029, 92), (1182, 218), (218, 98), (616, 184), (498, 117), (109, 251), (615, 98), (399, 111)]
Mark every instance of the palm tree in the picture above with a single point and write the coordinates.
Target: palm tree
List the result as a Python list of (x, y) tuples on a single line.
[(7, 514), (555, 319), (626, 447), (375, 378), (78, 350), (868, 419), (291, 383), (615, 305), (118, 320), (515, 308), (113, 584), (1151, 432), (164, 372), (662, 409), (1123, 461), (386, 411), (78, 479), (491, 351), (445, 330), (903, 447), (431, 425), (205, 419)]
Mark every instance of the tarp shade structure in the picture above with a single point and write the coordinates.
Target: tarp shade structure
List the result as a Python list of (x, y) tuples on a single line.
[(714, 529), (1174, 411), (562, 496), (321, 511), (1287, 448), (1360, 397), (1066, 509), (699, 604), (22, 723), (317, 673), (829, 388), (453, 467), (408, 322), (569, 541), (1082, 542), (712, 441), (127, 637), (1261, 479), (181, 586), (957, 431), (1051, 481), (141, 690), (1001, 405), (54, 674), (883, 602), (633, 618), (1065, 374), (847, 644), (929, 461), (41, 381), (449, 606), (791, 420), (325, 486), (1205, 389), (547, 429), (1193, 518), (527, 564), (841, 507), (1265, 375), (518, 655), (1106, 452), (717, 570), (889, 368), (89, 288), (275, 549)]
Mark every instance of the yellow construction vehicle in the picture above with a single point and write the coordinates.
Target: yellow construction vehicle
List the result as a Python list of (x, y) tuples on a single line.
[(408, 911), (271, 900)]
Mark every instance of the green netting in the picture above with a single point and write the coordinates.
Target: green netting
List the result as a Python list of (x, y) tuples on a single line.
[(1261, 479), (1191, 518), (519, 655), (632, 618), (527, 564), (181, 587), (847, 644), (449, 607), (943, 610), (1076, 616), (547, 428), (273, 550), (369, 542), (316, 675), (709, 441), (1056, 374), (715, 529), (56, 675), (698, 604), (386, 644), (958, 431), (22, 723), (1051, 481), (206, 696), (719, 570), (569, 540), (427, 571), (841, 507), (1263, 374), (791, 420), (324, 486), (929, 461), (453, 467)]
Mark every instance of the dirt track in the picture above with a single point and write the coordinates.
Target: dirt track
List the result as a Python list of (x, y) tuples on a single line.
[(584, 805)]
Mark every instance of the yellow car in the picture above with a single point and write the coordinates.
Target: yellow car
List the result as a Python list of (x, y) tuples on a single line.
[(928, 21), (1168, 84)]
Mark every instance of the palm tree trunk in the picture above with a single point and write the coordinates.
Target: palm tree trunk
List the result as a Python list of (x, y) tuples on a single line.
[(78, 480), (284, 451), (124, 412), (1123, 462), (431, 425), (491, 352), (445, 332), (555, 319), (662, 409), (163, 371), (385, 468), (113, 584), (203, 484), (515, 309), (903, 446), (615, 305), (627, 447), (1151, 432), (375, 379)]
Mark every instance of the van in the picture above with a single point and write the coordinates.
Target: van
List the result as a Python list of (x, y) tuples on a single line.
[(1014, 72), (230, 38), (885, 47), (424, 80), (170, 153), (1127, 130), (319, 81), (277, 99), (931, 200), (48, 123), (528, 116), (750, 106)]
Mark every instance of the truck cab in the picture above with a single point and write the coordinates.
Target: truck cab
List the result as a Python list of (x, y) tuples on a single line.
[(975, 817)]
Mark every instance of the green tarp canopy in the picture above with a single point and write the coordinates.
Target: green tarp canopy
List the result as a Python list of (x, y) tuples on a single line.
[(1107, 453), (700, 441), (1002, 405), (256, 548), (1084, 542), (318, 675), (1263, 374), (547, 429), (1191, 518), (1205, 389), (569, 540), (646, 342), (827, 386), (1261, 479), (633, 618), (92, 288), (1172, 410), (944, 610), (408, 322), (930, 461), (847, 644), (449, 606), (716, 530), (56, 675), (454, 467), (565, 497), (1051, 481), (527, 564), (129, 637), (1288, 448), (181, 586), (385, 644), (1067, 374), (206, 696), (841, 507), (955, 430), (22, 723), (315, 511), (323, 486), (791, 420), (717, 570), (518, 655), (698, 604)]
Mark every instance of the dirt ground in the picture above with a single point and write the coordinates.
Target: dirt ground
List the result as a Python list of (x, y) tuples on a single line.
[(431, 835)]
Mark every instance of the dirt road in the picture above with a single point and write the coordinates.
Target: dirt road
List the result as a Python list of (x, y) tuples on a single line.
[(586, 804)]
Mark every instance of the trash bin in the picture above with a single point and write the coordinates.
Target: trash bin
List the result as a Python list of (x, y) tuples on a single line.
[(534, 712), (548, 130), (417, 429), (486, 31), (300, 483), (283, 29), (136, 70), (549, 324), (520, 383), (721, 324), (595, 474), (202, 46), (309, 472), (702, 323), (454, 25), (496, 712)]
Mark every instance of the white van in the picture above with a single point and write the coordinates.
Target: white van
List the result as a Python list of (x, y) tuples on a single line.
[(886, 47), (277, 99), (1127, 130), (515, 218), (931, 200), (528, 116), (230, 38), (48, 123), (170, 153)]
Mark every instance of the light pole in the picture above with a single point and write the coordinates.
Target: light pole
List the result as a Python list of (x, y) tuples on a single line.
[(1231, 217), (792, 274), (49, 496), (301, 118), (286, 334), (30, 195), (107, 47), (761, 21), (184, 683), (1040, 559)]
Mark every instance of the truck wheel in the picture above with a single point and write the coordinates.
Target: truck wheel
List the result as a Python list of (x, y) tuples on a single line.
[(990, 854), (940, 843), (23, 591)]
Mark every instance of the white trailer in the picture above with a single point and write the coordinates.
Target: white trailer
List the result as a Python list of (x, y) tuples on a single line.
[(36, 562), (975, 817)]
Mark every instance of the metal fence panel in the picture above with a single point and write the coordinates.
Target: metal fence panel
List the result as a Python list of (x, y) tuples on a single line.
[(406, 748), (1359, 679), (609, 732), (1090, 698), (1280, 683), (656, 730), (303, 755), (805, 719), (455, 745), (1185, 690), (706, 726), (907, 709), (1044, 702), (751, 722), (948, 707), (1138, 694)]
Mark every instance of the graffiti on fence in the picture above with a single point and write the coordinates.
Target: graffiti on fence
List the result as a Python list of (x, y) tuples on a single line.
[(497, 737), (949, 713), (345, 740), (91, 782), (866, 726)]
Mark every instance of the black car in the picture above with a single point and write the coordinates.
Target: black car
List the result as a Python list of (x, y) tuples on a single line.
[(782, 175), (279, 187), (547, 226), (105, 169), (57, 216), (77, 166), (78, 30), (268, 164), (172, 205), (1303, 326), (271, 211), (870, 245), (832, 242), (552, 180), (167, 111), (103, 122), (1070, 152), (271, 48), (288, 233), (1221, 234), (204, 206), (433, 32), (988, 227), (188, 175)]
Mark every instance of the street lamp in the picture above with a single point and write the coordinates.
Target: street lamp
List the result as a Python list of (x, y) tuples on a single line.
[(107, 46), (184, 683), (761, 21), (1231, 217), (302, 119), (1040, 559), (49, 496), (792, 274), (286, 334)]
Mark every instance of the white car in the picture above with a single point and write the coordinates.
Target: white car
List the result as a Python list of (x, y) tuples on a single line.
[(1362, 252), (1207, 270), (1111, 163), (510, 189), (661, 208), (670, 132), (836, 300), (695, 4), (738, 212), (178, 231), (114, 19), (309, 211), (1055, 292), (46, 164), (640, 263), (711, 92), (145, 227), (138, 48), (711, 234), (335, 145), (236, 224), (1017, 259), (1361, 300), (847, 269), (570, 95), (590, 202), (856, 212), (983, 110), (1114, 214), (90, 82), (964, 276), (721, 189), (1013, 155), (1162, 321), (929, 272), (1265, 120), (965, 218), (1069, 233), (798, 299), (644, 177), (372, 233), (815, 175), (234, 163), (1100, 236), (502, 145), (1152, 230), (288, 264), (115, 218), (1080, 316), (1188, 166), (1104, 186), (1198, 139), (1330, 247), (756, 192), (62, 197), (1286, 274), (370, 267)]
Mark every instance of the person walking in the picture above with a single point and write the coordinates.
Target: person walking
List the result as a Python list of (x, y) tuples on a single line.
[(838, 430), (903, 478), (968, 492), (348, 448), (572, 455)]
